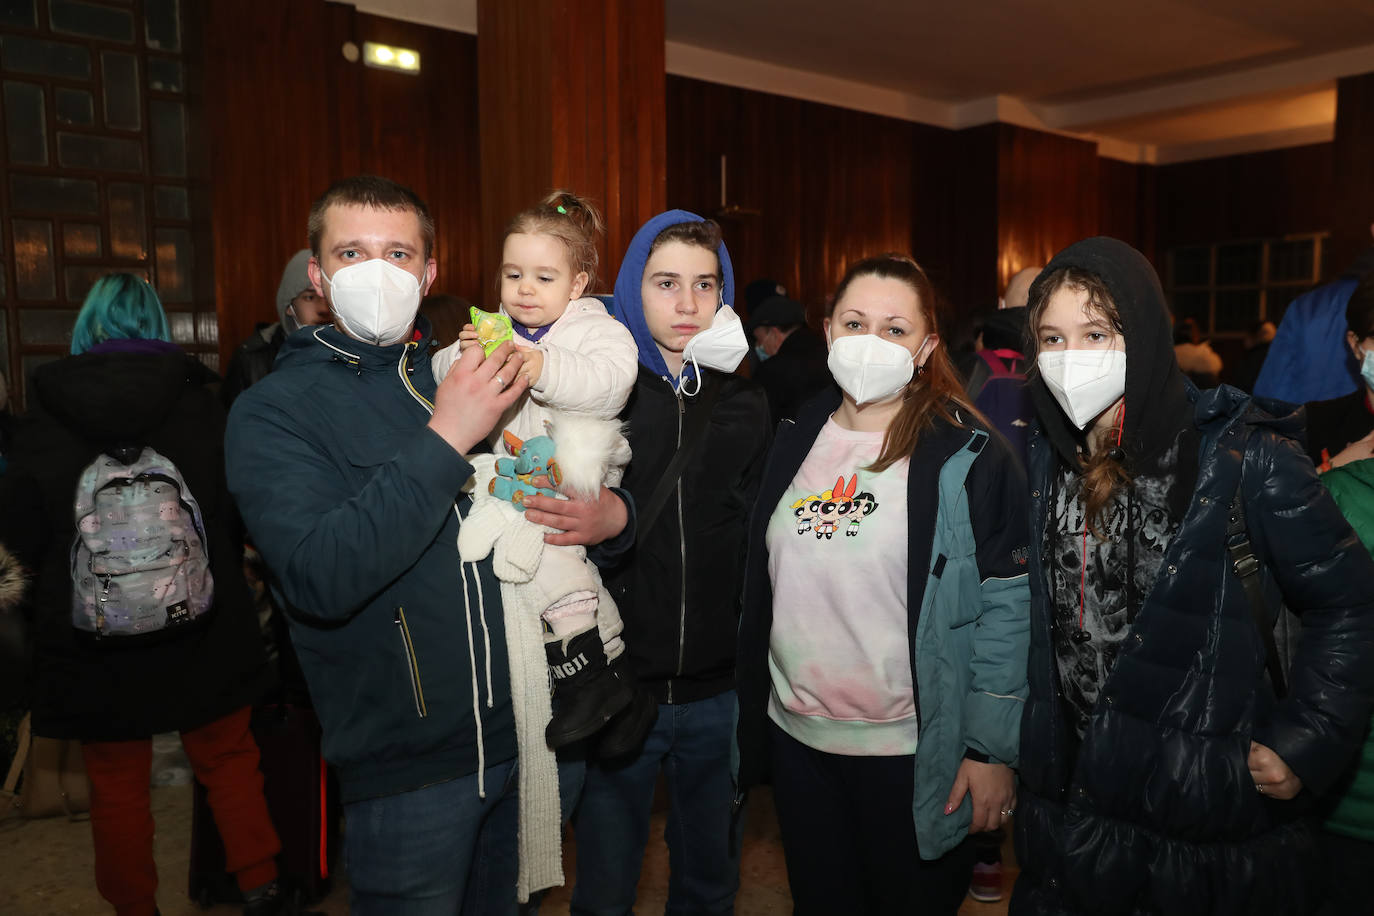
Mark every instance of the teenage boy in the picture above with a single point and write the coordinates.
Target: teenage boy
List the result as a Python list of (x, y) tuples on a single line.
[(699, 437)]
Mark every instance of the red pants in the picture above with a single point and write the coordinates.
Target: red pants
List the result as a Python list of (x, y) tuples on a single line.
[(224, 758)]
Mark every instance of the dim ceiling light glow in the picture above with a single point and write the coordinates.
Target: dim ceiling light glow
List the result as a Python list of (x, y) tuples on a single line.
[(388, 58)]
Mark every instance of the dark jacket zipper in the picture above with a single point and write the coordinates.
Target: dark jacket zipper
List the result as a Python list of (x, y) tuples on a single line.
[(413, 666)]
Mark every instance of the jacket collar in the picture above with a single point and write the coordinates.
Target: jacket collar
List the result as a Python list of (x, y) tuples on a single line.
[(328, 343)]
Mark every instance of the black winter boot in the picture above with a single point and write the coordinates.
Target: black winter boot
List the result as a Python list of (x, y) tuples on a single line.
[(587, 691), (624, 735)]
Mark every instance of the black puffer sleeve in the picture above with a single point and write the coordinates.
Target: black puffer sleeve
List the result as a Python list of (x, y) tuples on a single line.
[(1327, 578)]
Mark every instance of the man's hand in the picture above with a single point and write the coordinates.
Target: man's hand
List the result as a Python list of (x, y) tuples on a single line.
[(580, 521), (992, 790), (1271, 775), (1355, 451), (474, 394)]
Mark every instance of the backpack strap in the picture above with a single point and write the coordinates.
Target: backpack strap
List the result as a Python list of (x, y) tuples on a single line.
[(1247, 567), (1004, 363)]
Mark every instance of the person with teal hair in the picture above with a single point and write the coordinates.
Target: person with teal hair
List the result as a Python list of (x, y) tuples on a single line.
[(127, 390), (119, 307)]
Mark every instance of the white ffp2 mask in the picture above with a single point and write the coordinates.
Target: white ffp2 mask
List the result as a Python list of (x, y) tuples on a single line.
[(721, 346), (374, 300), (1084, 382), (869, 368)]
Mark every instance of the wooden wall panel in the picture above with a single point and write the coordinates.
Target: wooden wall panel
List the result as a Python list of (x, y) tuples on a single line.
[(826, 186), (289, 115), (974, 286), (1256, 195), (516, 138), (1126, 204), (1047, 196), (572, 96), (1352, 175), (422, 132)]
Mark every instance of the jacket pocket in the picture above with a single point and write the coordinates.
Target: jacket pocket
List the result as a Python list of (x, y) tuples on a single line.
[(376, 448), (417, 689)]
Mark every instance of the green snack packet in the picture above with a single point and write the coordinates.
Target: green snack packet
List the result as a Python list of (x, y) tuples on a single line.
[(493, 329)]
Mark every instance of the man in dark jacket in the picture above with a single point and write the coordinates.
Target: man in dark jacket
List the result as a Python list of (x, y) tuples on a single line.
[(347, 463), (679, 588), (792, 358)]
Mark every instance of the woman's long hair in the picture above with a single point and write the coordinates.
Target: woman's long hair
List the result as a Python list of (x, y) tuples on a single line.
[(931, 391), (119, 307), (1103, 472)]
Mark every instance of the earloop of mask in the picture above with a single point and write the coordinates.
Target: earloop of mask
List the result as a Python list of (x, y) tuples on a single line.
[(682, 380)]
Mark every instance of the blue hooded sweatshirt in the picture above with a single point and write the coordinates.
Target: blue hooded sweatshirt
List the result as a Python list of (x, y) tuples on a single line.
[(628, 306)]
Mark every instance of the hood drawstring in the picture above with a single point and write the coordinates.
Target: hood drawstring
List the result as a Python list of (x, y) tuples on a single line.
[(472, 662)]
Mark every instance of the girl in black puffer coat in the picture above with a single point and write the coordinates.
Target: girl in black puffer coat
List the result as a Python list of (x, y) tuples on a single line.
[(1161, 774)]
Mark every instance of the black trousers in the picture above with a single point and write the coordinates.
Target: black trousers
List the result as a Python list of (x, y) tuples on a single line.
[(849, 839)]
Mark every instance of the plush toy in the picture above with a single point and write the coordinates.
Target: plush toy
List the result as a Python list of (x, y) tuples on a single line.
[(531, 458), (493, 329)]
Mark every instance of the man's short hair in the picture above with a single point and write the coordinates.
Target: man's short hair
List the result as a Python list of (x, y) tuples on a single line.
[(370, 191)]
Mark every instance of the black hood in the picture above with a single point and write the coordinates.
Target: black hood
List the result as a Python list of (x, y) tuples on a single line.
[(112, 399), (1157, 404)]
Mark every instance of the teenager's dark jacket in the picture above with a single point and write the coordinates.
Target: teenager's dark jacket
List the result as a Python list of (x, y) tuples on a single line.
[(679, 588), (1156, 811), (137, 393), (351, 501)]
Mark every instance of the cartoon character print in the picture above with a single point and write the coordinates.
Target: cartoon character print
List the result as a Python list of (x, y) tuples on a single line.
[(825, 513), (864, 506)]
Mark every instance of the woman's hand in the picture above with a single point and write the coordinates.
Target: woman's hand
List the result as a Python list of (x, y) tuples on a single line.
[(1271, 775), (991, 788)]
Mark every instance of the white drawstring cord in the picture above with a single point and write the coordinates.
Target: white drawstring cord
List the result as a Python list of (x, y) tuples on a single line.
[(486, 633), (476, 707)]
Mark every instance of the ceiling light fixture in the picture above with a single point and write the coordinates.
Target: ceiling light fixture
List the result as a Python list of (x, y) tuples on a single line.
[(386, 57)]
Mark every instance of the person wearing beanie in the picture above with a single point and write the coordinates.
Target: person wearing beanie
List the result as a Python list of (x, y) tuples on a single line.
[(791, 367), (298, 305)]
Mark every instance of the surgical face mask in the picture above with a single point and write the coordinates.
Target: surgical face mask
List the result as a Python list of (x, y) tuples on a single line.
[(1367, 369), (1084, 382), (720, 347), (760, 352), (374, 300), (869, 368)]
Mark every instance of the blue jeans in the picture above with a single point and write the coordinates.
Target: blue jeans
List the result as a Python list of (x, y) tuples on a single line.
[(440, 849), (691, 742)]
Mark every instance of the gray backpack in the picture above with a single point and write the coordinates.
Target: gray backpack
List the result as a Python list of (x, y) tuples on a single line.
[(139, 562)]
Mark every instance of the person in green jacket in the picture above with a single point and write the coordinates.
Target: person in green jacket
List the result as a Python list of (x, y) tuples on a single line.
[(1348, 833)]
